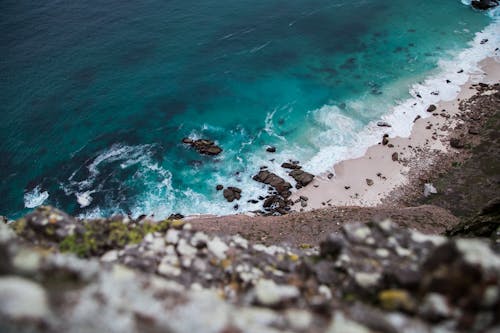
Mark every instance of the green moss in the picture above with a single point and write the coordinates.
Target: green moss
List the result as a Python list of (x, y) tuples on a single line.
[(19, 226), (103, 235)]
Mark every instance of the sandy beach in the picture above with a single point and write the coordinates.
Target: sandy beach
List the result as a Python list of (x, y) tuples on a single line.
[(373, 179)]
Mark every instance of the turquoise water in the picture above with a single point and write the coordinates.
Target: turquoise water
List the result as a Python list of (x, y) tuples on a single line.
[(96, 97)]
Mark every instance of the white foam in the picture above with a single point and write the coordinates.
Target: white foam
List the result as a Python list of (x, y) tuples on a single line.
[(84, 199), (342, 137), (35, 197)]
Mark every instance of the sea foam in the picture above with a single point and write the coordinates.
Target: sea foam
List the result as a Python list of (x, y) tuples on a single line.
[(35, 197), (345, 139)]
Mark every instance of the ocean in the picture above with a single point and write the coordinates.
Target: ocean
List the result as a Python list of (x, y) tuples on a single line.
[(96, 96)]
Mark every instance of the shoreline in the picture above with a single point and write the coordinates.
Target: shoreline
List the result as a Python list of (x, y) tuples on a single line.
[(428, 141)]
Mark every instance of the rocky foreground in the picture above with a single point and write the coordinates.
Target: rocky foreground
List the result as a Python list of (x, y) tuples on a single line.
[(59, 274)]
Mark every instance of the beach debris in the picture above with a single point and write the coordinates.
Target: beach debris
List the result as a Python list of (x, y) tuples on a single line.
[(232, 193), (417, 118), (383, 124), (431, 108), (271, 149), (330, 175), (203, 146), (429, 189)]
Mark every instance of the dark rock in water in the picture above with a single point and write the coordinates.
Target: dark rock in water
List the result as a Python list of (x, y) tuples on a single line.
[(383, 124), (219, 187), (385, 139), (253, 201), (271, 149), (203, 146), (395, 157), (431, 108), (292, 166), (457, 143), (176, 216), (330, 176), (484, 4), (301, 177), (232, 193), (282, 187)]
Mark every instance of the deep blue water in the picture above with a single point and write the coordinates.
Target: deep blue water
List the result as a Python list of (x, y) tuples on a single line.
[(96, 96)]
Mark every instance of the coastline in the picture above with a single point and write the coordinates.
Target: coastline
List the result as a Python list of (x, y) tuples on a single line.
[(428, 141)]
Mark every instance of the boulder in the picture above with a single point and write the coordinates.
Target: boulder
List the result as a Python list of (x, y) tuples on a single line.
[(302, 177), (232, 193), (383, 124), (431, 108), (282, 187), (291, 166), (271, 149), (203, 146), (395, 157), (484, 4)]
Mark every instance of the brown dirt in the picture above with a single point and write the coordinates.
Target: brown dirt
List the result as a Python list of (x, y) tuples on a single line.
[(311, 227)]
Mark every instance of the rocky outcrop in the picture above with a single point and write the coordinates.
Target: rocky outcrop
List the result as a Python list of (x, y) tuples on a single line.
[(484, 4), (203, 146), (302, 177), (232, 193), (282, 186), (373, 277)]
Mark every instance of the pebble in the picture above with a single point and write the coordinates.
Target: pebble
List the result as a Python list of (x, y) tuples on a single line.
[(269, 293)]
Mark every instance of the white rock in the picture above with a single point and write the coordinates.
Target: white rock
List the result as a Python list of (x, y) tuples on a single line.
[(6, 233), (167, 268), (218, 248), (269, 293), (185, 249), (110, 256), (172, 236), (367, 280), (298, 319), (22, 299), (436, 304), (419, 237), (383, 253), (27, 261), (325, 291), (158, 244), (342, 324), (199, 238), (429, 189), (477, 252), (240, 241)]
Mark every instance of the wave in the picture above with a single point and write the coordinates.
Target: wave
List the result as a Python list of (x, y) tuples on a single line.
[(344, 138), (35, 197)]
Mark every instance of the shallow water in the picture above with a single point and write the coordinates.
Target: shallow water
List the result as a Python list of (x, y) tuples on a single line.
[(96, 97)]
